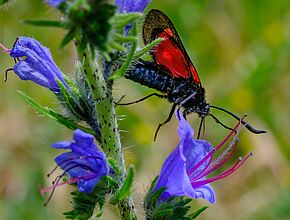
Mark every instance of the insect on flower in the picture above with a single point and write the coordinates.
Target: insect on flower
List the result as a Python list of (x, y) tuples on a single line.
[(172, 73)]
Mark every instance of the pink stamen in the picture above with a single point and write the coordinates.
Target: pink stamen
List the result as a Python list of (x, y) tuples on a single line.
[(209, 155), (216, 164), (227, 137), (212, 168), (236, 166), (46, 189), (5, 50)]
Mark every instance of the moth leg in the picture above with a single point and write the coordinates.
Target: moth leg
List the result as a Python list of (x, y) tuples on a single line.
[(166, 121), (200, 127), (142, 99), (6, 74)]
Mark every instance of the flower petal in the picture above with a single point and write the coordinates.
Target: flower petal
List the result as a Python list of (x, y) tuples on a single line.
[(62, 145), (54, 3), (173, 175), (132, 5), (87, 186), (36, 64), (84, 139), (205, 192)]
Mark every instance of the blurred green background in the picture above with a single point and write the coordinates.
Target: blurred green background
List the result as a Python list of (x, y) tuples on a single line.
[(241, 50)]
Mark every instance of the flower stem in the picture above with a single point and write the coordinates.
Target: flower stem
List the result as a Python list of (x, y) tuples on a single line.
[(106, 116)]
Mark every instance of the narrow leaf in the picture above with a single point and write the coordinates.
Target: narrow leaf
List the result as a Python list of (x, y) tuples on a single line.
[(68, 37), (126, 187), (124, 39), (198, 212), (147, 48), (70, 102), (120, 72), (121, 20), (45, 23), (54, 115)]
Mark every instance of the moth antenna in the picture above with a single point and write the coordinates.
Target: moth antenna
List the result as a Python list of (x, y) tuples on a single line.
[(248, 126)]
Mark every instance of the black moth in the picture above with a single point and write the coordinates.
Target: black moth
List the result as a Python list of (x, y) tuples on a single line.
[(172, 73)]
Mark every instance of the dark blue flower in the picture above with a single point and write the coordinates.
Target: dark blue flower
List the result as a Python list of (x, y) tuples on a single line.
[(131, 6), (54, 3), (85, 163), (185, 169), (34, 62)]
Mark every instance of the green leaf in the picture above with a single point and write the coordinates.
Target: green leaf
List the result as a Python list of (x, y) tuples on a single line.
[(114, 165), (124, 39), (45, 23), (121, 72), (68, 37), (117, 46), (54, 115), (198, 212), (69, 100), (121, 20), (147, 48), (126, 187), (3, 2), (153, 198)]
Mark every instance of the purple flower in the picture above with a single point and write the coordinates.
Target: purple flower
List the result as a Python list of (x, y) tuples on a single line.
[(131, 6), (34, 62), (85, 163), (185, 169), (54, 3)]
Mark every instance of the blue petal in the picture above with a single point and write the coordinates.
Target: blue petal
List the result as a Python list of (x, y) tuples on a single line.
[(54, 3), (87, 186), (174, 172), (62, 145), (193, 150), (205, 192), (84, 139), (173, 175), (132, 5), (85, 161), (36, 64)]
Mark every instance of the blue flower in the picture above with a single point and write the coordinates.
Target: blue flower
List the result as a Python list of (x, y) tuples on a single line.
[(54, 3), (85, 163), (35, 63), (185, 169), (131, 6)]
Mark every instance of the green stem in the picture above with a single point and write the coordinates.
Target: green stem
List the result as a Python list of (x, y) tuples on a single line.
[(106, 116)]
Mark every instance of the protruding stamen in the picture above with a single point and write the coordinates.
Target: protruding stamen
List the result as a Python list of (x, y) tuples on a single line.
[(51, 172), (203, 160), (215, 165), (228, 136), (236, 166), (53, 187), (5, 50)]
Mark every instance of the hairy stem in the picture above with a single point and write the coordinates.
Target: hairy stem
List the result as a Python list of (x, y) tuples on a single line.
[(106, 116)]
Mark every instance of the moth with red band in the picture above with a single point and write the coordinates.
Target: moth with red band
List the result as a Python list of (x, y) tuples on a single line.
[(172, 73)]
